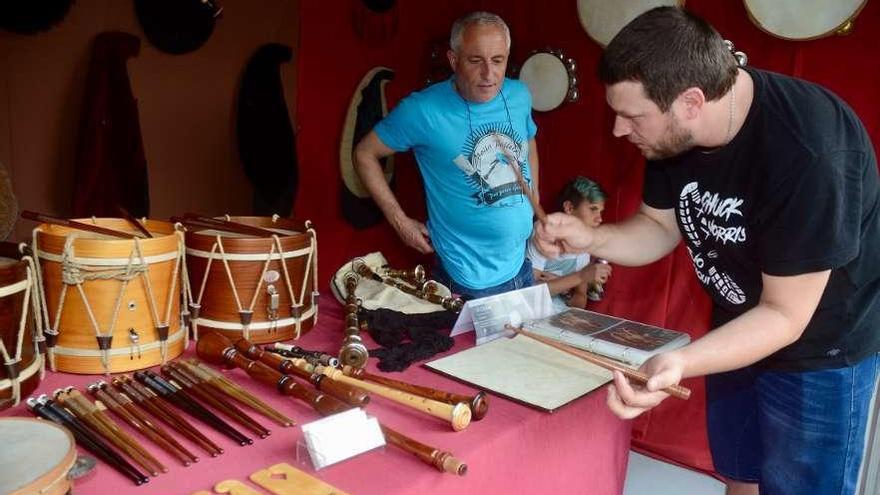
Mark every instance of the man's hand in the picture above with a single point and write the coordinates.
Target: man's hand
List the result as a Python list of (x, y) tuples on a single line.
[(628, 400), (413, 233), (596, 272), (562, 233)]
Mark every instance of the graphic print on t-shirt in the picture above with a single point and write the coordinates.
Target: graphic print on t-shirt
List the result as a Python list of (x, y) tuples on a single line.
[(705, 219), (486, 167)]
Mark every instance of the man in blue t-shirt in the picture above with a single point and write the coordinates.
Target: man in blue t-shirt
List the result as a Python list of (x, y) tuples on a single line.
[(478, 218)]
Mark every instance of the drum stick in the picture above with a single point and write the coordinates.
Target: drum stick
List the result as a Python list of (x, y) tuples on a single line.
[(86, 438), (239, 392), (73, 224), (182, 400), (479, 403), (157, 406), (241, 227), (218, 403), (135, 423), (637, 376), (102, 429), (515, 166), (458, 415), (98, 413), (218, 350), (136, 411), (134, 221), (342, 391)]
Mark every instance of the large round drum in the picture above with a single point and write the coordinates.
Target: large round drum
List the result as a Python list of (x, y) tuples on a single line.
[(602, 20), (804, 19), (19, 341), (550, 77), (35, 458), (113, 303), (261, 288)]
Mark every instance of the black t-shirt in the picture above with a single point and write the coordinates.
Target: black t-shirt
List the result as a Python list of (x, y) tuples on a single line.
[(795, 191)]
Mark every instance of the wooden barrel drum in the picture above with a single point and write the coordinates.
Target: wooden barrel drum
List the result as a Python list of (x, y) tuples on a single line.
[(21, 363), (113, 303), (261, 288)]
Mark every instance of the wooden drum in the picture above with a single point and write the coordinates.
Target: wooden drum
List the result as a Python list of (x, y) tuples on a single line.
[(35, 458), (22, 363), (259, 288), (113, 304)]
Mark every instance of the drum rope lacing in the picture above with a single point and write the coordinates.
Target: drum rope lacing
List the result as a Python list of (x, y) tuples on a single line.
[(296, 303), (76, 274), (12, 361)]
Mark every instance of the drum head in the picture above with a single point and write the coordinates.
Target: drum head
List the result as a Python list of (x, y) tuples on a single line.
[(36, 456), (802, 19), (548, 79), (602, 20)]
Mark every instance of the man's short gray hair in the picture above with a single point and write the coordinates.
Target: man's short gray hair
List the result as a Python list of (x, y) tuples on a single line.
[(476, 18)]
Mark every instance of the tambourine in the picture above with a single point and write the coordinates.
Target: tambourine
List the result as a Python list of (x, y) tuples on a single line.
[(551, 78), (602, 20), (801, 20)]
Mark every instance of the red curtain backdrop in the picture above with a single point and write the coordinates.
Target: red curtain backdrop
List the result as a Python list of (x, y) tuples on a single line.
[(573, 139)]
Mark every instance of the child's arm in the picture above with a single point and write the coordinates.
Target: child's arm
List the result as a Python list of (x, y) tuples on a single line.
[(559, 284)]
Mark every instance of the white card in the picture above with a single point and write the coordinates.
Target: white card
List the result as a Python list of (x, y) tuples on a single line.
[(489, 315), (341, 436)]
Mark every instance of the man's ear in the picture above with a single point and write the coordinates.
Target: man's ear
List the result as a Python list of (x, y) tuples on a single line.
[(691, 102), (453, 60), (567, 207)]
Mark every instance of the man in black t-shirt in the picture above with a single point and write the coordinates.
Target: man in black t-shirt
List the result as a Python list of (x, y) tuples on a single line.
[(772, 183)]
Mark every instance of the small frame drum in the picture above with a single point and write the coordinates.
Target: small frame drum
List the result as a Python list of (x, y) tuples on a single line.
[(113, 304), (20, 342), (551, 78), (35, 458), (261, 288)]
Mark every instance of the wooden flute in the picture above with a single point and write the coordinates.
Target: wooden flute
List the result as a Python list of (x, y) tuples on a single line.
[(478, 404), (353, 351), (458, 415), (218, 350), (157, 407), (322, 382), (47, 409), (637, 376)]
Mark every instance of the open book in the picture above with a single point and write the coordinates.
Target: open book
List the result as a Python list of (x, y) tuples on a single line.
[(627, 341)]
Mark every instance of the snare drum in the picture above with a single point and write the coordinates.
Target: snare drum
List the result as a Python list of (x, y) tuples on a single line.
[(35, 458), (261, 288), (113, 304), (22, 364)]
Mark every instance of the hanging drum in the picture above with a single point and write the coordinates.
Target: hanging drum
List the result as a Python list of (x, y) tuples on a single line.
[(20, 341), (113, 304), (551, 78), (602, 20), (800, 20), (262, 287)]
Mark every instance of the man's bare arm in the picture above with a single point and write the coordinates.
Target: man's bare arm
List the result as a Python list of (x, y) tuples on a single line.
[(366, 158)]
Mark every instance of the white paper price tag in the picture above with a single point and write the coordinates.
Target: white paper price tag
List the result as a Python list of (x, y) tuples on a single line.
[(340, 436)]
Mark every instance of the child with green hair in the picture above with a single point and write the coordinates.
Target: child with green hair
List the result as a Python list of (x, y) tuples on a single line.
[(569, 276)]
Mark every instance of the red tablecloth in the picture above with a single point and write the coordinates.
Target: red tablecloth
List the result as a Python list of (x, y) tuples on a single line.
[(581, 448)]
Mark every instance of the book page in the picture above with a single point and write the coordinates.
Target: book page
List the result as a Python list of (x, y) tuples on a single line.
[(524, 370)]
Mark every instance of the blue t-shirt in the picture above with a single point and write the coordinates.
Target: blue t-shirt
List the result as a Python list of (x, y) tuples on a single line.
[(478, 218)]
